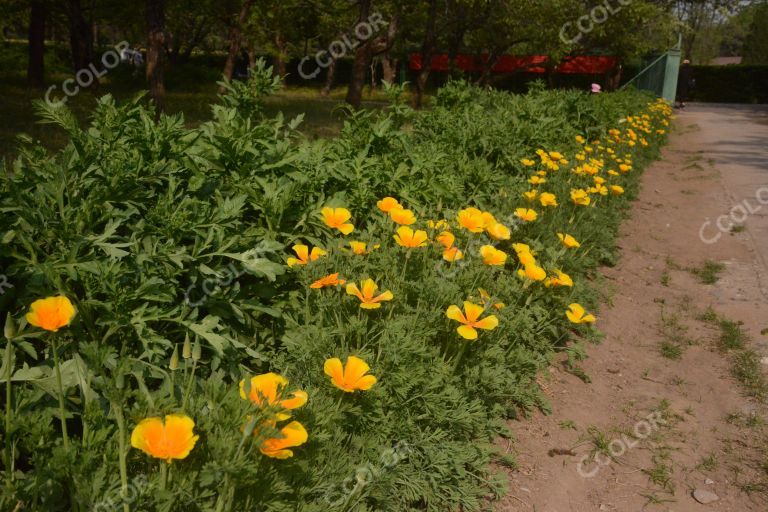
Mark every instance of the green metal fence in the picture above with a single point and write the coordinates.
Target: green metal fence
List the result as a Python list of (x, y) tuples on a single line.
[(660, 76)]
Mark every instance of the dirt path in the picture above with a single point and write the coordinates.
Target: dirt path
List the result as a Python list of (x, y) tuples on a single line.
[(674, 403)]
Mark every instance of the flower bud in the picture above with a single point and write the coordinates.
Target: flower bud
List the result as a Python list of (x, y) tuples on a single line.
[(174, 364), (196, 351), (186, 351), (10, 327)]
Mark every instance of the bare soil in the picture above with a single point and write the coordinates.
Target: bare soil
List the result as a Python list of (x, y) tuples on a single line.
[(663, 414)]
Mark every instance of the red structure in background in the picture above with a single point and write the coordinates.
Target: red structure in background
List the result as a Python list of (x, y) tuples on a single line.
[(581, 64)]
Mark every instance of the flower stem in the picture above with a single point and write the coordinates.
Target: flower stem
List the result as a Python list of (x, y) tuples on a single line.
[(121, 456), (8, 413), (189, 385), (62, 415), (163, 475)]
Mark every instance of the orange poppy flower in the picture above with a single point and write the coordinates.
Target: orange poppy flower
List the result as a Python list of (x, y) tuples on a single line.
[(304, 255), (493, 256), (472, 219), (402, 216), (409, 238), (446, 239), (471, 319), (568, 241), (292, 435), (329, 280), (498, 231), (578, 315), (267, 390), (173, 439), (51, 313), (388, 204), (367, 297), (350, 377), (337, 218), (526, 214), (452, 254), (533, 272)]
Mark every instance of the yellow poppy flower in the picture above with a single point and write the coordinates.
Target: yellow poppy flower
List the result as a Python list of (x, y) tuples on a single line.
[(493, 256), (337, 218), (498, 231), (625, 168), (409, 238), (452, 254), (446, 239), (352, 376), (598, 180), (441, 224), (388, 204), (472, 219), (368, 298), (613, 173), (526, 214), (617, 190), (470, 319), (267, 390), (559, 279), (292, 435), (527, 162), (548, 199), (488, 218), (402, 216), (531, 195), (173, 439), (532, 271), (304, 255), (577, 315), (580, 139), (568, 241), (536, 180), (580, 197), (51, 313), (329, 280), (359, 248)]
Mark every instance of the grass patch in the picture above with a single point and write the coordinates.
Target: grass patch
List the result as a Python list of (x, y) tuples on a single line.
[(709, 272), (747, 369)]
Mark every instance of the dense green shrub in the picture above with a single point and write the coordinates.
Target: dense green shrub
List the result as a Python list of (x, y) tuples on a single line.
[(730, 84), (162, 234)]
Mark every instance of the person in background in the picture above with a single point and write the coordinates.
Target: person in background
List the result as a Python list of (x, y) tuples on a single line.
[(685, 82)]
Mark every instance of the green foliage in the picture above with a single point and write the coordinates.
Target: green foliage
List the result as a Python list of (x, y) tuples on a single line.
[(162, 234)]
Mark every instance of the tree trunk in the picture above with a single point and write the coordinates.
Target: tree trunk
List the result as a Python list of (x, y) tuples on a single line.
[(80, 37), (155, 14), (485, 77), (281, 64), (427, 50), (389, 69), (360, 63), (365, 52), (36, 65), (330, 74), (236, 40)]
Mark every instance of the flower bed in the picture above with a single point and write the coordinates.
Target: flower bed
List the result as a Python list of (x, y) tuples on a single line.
[(278, 324)]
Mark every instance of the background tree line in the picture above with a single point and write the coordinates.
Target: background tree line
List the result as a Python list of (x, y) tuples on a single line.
[(171, 31)]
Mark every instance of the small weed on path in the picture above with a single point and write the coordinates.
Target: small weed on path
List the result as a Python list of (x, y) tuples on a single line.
[(709, 272)]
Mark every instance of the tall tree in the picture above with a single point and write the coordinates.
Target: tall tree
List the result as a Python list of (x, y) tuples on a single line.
[(369, 49), (36, 63), (155, 14), (80, 35), (236, 37), (428, 48)]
